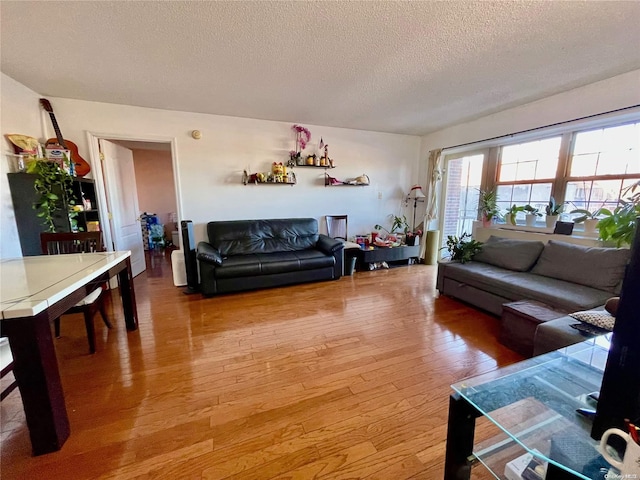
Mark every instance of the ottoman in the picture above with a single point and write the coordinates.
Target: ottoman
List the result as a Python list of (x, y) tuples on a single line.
[(519, 322)]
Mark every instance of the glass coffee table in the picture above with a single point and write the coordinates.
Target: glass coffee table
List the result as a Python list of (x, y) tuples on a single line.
[(528, 410)]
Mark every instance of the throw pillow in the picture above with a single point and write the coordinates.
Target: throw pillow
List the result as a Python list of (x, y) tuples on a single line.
[(589, 330), (597, 267), (612, 305), (517, 255), (598, 318)]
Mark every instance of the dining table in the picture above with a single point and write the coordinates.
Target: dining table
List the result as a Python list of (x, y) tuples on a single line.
[(35, 290)]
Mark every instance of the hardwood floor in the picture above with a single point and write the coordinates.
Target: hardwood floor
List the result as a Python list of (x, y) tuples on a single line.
[(336, 380)]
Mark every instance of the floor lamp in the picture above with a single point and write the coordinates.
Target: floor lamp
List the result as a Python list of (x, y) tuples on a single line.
[(416, 195)]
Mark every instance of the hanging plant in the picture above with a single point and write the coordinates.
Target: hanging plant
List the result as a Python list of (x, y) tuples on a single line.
[(55, 187)]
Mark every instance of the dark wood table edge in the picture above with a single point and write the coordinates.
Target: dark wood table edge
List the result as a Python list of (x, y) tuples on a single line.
[(36, 369)]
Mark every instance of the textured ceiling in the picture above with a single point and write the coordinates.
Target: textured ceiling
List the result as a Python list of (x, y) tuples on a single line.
[(401, 67)]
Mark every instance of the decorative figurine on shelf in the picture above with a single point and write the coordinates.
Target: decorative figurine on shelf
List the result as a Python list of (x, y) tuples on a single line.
[(277, 168), (325, 161), (278, 171)]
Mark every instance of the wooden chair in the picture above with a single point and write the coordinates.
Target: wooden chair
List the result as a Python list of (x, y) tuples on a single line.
[(6, 364), (86, 242)]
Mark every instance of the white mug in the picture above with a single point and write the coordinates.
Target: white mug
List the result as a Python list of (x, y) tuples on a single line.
[(630, 465)]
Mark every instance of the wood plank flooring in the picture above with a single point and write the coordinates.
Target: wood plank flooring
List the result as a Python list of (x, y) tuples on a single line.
[(331, 380)]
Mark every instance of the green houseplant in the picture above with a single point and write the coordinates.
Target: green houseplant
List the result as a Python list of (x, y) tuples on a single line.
[(619, 225), (510, 216), (589, 218), (552, 210), (488, 206), (398, 224), (462, 248), (55, 187), (531, 214)]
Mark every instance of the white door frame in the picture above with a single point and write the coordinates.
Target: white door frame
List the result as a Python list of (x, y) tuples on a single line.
[(98, 175)]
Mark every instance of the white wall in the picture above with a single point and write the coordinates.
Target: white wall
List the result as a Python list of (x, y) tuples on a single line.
[(611, 94), (20, 114), (210, 169)]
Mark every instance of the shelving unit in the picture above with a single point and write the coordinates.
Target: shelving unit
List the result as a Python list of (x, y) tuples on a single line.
[(30, 226), (88, 219)]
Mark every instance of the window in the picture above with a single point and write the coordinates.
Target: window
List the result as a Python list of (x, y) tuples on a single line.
[(603, 163), (584, 169), (526, 173)]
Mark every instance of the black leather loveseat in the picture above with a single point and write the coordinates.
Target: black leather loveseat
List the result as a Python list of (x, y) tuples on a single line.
[(251, 254)]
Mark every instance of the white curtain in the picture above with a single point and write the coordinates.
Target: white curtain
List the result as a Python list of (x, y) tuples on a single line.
[(434, 175)]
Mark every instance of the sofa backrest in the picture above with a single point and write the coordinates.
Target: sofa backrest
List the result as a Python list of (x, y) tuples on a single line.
[(512, 254), (239, 237), (601, 268)]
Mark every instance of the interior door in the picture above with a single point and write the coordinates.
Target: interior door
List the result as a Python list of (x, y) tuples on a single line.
[(122, 197)]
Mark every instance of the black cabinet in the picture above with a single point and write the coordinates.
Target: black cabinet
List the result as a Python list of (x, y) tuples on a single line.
[(30, 226)]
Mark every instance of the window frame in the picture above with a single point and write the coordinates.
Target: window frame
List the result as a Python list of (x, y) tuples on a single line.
[(568, 136)]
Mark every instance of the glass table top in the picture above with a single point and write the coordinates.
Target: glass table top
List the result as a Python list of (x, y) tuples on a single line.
[(534, 403)]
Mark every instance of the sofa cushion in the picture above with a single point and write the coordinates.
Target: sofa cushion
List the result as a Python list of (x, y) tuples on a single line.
[(272, 263), (238, 266), (512, 285), (512, 254), (241, 237), (601, 268)]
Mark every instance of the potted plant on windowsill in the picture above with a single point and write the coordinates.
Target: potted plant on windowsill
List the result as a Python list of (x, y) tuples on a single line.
[(590, 219), (488, 206), (510, 216), (553, 210), (531, 215)]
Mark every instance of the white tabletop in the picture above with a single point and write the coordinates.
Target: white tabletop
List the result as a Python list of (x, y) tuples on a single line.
[(29, 285)]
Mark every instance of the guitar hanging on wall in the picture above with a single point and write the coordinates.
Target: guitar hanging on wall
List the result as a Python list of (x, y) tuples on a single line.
[(81, 167)]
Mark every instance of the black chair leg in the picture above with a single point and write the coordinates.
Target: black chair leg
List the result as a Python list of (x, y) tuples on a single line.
[(91, 331), (103, 314)]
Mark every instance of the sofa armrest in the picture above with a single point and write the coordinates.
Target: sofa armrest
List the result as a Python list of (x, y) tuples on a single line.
[(209, 254), (329, 245)]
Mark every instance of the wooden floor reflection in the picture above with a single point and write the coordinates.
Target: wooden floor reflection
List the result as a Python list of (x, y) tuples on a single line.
[(336, 380)]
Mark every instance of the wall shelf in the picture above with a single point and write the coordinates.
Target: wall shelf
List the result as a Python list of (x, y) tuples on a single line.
[(270, 183), (327, 183), (326, 167)]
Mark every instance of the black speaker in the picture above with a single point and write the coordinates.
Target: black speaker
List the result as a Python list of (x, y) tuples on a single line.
[(563, 228), (190, 262)]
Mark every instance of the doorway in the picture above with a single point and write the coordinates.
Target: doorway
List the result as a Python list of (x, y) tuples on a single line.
[(134, 177), (463, 180)]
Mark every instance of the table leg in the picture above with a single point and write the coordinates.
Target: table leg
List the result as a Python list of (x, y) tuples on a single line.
[(128, 295), (36, 370), (460, 433)]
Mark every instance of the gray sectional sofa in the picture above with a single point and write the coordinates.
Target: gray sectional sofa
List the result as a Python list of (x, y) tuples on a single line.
[(564, 276)]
